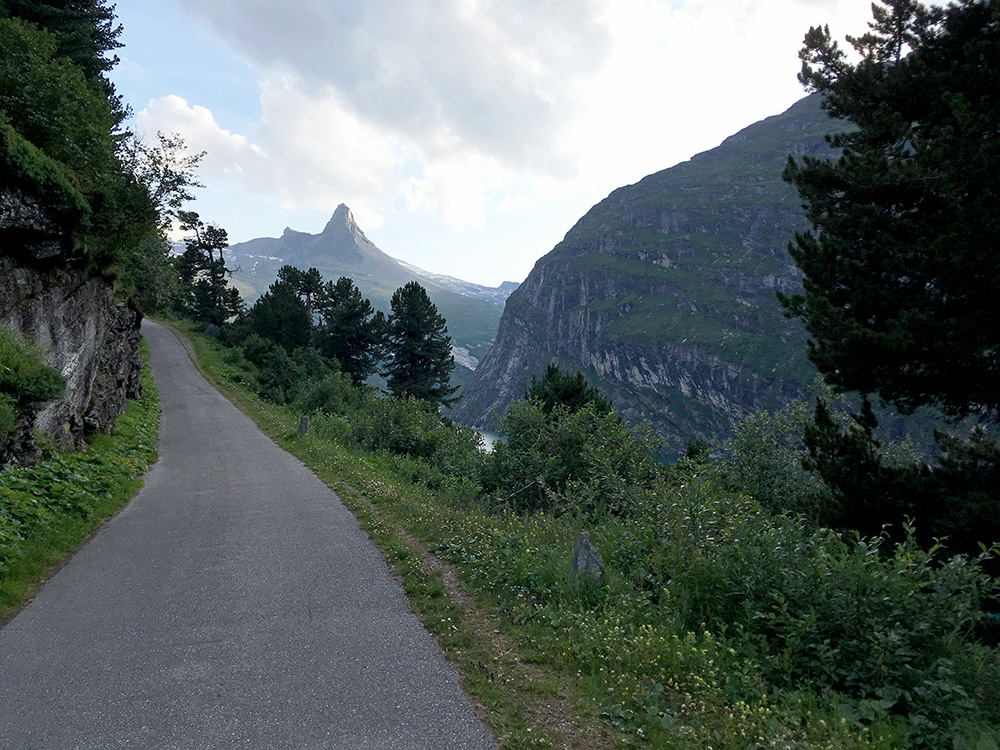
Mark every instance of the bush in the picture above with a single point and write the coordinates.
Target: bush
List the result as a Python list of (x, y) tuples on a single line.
[(584, 460), (764, 460), (886, 625), (403, 426), (333, 393), (25, 379)]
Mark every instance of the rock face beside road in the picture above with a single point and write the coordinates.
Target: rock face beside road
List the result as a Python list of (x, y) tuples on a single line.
[(90, 339)]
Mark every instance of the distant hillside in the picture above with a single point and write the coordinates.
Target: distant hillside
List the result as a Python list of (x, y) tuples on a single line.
[(664, 292), (342, 249)]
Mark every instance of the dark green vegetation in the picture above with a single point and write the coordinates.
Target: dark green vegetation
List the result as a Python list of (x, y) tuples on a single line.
[(420, 362), (303, 331), (47, 510), (899, 271), (62, 148), (25, 380), (343, 250), (573, 392), (723, 621), (204, 292), (900, 268)]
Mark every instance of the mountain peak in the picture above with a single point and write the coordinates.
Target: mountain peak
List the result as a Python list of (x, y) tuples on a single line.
[(342, 217)]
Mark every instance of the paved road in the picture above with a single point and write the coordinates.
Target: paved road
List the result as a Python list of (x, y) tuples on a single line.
[(233, 603)]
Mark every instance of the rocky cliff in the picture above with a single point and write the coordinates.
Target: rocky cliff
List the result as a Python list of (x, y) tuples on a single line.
[(663, 294), (92, 340)]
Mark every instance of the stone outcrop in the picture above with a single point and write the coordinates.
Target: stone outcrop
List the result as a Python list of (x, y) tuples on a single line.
[(664, 293), (91, 340)]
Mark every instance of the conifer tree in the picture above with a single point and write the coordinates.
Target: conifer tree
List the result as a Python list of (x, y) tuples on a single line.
[(900, 270), (205, 292), (901, 275), (350, 331), (278, 316), (420, 362), (558, 388)]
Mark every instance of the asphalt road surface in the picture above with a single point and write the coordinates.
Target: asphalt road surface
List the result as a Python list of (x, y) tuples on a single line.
[(233, 603)]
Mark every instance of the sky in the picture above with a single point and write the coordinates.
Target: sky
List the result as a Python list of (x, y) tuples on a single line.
[(467, 136)]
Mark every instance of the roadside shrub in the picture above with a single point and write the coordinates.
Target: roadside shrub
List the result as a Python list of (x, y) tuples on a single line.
[(332, 394), (561, 460), (764, 460), (330, 427), (403, 426), (458, 450), (888, 626)]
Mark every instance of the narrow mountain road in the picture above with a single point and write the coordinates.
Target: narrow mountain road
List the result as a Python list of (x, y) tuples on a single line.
[(233, 603)]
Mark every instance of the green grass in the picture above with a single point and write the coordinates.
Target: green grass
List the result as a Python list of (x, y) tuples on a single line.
[(48, 510)]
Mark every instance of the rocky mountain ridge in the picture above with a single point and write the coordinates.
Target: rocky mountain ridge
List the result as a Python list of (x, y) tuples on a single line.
[(663, 294), (342, 249)]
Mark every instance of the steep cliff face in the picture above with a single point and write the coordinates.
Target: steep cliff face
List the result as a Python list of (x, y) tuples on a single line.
[(93, 341), (664, 293)]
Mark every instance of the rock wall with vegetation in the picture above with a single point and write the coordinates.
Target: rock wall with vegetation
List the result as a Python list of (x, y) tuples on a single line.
[(90, 339), (82, 204)]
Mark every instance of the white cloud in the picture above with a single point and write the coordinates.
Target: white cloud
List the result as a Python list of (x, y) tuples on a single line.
[(499, 77), (472, 111)]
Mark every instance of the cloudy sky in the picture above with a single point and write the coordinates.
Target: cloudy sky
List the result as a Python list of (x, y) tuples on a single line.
[(467, 136)]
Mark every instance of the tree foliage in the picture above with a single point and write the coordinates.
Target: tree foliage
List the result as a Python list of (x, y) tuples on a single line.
[(350, 330), (86, 33), (571, 391), (205, 293), (420, 362), (278, 316), (49, 103), (333, 320), (900, 270), (106, 193)]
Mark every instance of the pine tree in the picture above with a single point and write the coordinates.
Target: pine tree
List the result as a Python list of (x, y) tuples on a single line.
[(558, 388), (350, 330), (901, 275), (420, 362), (205, 291), (900, 270), (278, 316)]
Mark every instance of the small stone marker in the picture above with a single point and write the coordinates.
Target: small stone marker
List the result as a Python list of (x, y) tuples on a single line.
[(213, 330), (587, 562), (303, 425)]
